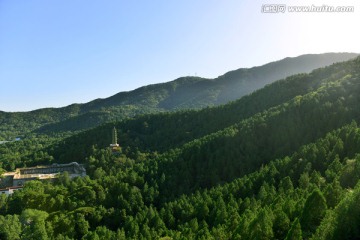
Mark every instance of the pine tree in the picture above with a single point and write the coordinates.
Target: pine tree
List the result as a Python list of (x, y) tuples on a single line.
[(295, 231), (313, 212), (261, 226)]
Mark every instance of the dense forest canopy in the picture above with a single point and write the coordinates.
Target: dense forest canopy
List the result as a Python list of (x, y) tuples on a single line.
[(280, 163)]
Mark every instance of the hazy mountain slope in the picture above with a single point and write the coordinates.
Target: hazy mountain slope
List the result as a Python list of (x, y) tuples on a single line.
[(151, 132), (195, 92), (183, 93), (297, 119), (238, 83)]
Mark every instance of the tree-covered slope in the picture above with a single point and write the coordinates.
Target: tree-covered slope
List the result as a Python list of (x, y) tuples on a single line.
[(159, 132), (200, 151), (281, 163), (311, 194), (183, 93)]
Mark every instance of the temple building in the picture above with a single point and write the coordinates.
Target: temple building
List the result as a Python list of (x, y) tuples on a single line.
[(15, 180)]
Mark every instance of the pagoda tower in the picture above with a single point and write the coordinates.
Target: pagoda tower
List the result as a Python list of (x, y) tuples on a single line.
[(114, 143)]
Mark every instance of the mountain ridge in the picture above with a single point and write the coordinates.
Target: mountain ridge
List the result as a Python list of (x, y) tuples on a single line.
[(181, 93), (226, 75)]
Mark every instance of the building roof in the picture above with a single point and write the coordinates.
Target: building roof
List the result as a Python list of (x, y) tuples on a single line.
[(40, 172)]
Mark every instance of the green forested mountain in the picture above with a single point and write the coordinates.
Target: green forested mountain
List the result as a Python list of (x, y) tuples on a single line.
[(280, 163), (182, 93)]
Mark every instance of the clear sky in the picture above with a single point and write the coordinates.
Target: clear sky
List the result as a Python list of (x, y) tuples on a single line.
[(58, 52)]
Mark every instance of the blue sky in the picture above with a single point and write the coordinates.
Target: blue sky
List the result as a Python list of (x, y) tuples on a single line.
[(54, 53)]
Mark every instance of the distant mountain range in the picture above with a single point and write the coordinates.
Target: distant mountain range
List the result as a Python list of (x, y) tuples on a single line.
[(182, 93)]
